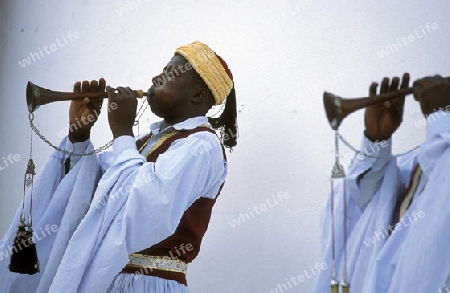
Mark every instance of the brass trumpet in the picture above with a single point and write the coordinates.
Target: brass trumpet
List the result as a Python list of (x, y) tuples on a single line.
[(38, 96), (337, 108)]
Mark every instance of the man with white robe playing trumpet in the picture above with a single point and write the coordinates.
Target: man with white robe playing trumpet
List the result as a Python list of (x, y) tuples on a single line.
[(397, 208), (131, 219)]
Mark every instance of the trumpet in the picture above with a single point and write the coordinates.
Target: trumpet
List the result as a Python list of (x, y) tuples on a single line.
[(337, 108), (38, 96)]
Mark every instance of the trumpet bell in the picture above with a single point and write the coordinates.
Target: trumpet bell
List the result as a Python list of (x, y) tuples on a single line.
[(333, 109), (38, 96), (33, 94)]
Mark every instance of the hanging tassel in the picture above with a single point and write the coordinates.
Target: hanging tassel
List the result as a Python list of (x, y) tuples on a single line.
[(338, 173), (345, 288), (24, 259)]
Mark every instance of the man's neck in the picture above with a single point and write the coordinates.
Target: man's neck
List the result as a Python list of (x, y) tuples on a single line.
[(164, 125)]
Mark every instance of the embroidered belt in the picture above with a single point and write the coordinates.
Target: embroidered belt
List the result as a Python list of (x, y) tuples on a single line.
[(163, 263)]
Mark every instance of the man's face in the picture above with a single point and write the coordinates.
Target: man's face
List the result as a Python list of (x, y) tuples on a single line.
[(172, 90)]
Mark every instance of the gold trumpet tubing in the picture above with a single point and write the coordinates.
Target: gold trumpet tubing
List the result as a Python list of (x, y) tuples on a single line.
[(37, 96), (337, 108)]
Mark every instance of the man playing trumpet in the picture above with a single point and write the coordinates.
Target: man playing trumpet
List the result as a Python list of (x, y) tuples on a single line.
[(131, 220), (398, 221)]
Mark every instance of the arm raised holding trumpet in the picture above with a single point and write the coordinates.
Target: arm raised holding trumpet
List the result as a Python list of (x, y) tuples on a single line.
[(122, 105), (383, 119), (87, 99), (337, 108), (391, 216)]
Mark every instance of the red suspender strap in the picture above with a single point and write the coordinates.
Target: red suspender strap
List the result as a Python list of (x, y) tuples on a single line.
[(153, 156)]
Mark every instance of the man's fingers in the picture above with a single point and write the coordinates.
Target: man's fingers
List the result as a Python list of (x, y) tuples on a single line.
[(77, 87), (101, 84), (121, 90), (396, 103), (93, 86), (96, 103), (85, 86), (125, 92), (427, 81), (399, 102), (394, 84), (384, 85), (110, 92), (405, 81), (373, 89), (130, 91), (420, 86)]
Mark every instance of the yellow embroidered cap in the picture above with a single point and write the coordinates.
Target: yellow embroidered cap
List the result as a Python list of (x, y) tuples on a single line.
[(211, 68)]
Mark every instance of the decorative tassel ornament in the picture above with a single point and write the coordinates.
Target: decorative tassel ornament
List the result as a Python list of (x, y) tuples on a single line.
[(338, 174), (24, 259)]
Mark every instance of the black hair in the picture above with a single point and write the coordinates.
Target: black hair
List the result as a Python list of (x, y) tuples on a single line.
[(227, 121)]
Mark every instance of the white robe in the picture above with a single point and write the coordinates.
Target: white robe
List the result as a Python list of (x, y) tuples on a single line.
[(416, 257), (135, 205)]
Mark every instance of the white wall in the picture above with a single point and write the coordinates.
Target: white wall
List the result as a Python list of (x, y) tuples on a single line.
[(283, 55)]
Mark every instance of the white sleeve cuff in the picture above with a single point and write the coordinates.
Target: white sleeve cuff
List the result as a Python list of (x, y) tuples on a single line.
[(371, 155), (123, 143), (79, 147), (375, 149), (437, 123)]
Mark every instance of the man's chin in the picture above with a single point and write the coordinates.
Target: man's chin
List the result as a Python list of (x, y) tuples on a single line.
[(155, 111)]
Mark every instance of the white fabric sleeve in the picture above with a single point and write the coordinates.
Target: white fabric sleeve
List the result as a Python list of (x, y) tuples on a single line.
[(362, 182), (77, 148), (422, 264), (123, 143), (136, 205), (368, 168), (59, 203)]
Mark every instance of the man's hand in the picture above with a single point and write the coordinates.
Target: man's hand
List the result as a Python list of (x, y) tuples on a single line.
[(122, 111), (84, 113), (433, 93), (383, 119)]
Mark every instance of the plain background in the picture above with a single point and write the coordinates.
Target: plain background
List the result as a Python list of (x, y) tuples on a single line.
[(283, 55)]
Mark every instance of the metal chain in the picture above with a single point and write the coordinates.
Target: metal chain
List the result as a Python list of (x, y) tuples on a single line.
[(96, 151), (139, 115), (41, 136), (31, 172), (364, 154), (31, 117)]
